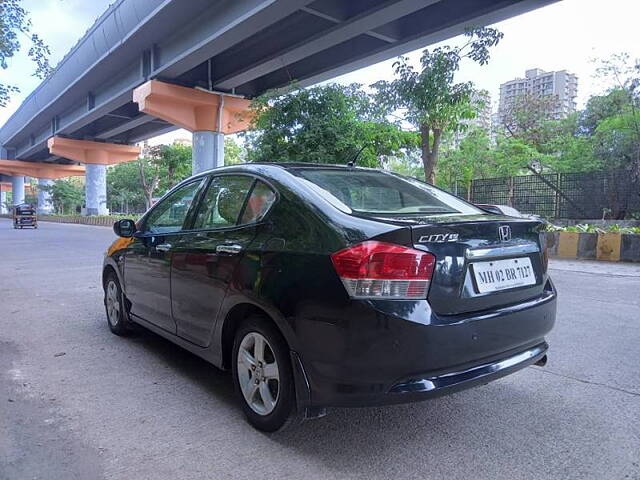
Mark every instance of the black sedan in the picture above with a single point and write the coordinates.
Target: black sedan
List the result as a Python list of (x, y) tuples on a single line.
[(323, 286)]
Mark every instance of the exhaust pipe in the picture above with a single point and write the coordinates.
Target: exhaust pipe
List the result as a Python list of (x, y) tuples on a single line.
[(542, 362)]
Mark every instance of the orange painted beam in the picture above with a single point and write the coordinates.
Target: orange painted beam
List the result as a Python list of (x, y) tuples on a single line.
[(85, 151), (40, 170), (193, 109)]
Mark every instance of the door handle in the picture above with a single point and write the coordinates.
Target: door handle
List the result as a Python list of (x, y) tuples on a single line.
[(230, 249), (164, 247)]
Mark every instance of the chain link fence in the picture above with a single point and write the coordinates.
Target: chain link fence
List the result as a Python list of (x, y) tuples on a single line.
[(591, 195)]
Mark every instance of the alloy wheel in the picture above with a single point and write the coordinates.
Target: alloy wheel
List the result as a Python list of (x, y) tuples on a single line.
[(258, 373), (113, 303)]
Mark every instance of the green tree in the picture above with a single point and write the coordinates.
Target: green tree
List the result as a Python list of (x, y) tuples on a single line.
[(124, 190), (325, 124), (430, 99), (173, 163), (161, 168), (622, 128), (67, 195), (529, 119), (233, 152), (599, 107), (617, 142), (473, 157), (538, 142), (15, 24), (408, 164), (570, 149)]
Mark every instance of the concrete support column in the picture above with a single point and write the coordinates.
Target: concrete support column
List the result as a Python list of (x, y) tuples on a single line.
[(45, 200), (208, 151), (17, 189), (96, 156), (95, 191), (3, 200), (209, 115)]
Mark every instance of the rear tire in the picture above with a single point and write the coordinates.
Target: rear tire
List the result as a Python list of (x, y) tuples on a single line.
[(262, 375), (117, 317)]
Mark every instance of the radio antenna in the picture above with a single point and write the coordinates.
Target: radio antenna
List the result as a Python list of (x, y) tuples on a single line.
[(352, 162)]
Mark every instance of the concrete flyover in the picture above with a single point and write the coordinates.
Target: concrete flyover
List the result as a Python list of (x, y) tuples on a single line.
[(219, 53)]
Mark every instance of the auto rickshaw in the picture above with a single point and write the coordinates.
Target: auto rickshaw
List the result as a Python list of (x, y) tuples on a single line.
[(24, 215)]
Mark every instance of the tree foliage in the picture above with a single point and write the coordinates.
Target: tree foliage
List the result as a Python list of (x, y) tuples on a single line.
[(528, 118), (619, 134), (124, 189), (16, 26), (161, 167), (430, 99), (233, 152), (132, 186), (67, 195), (326, 124)]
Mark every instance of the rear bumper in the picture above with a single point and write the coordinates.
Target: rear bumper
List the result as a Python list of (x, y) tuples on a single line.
[(386, 359), (417, 388)]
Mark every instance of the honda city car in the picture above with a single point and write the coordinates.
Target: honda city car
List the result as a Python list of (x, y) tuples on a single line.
[(333, 286)]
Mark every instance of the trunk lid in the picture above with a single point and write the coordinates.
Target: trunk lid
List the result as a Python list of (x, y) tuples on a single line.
[(460, 242)]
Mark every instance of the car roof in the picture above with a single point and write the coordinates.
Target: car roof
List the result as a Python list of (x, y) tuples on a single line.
[(252, 166), (290, 165)]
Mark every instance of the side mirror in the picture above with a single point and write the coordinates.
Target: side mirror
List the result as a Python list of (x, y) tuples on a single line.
[(124, 228)]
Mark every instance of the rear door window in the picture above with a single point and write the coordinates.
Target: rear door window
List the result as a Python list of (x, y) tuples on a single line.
[(223, 201), (259, 203)]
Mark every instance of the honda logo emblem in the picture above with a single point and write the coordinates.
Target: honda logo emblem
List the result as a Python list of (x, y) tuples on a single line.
[(505, 233)]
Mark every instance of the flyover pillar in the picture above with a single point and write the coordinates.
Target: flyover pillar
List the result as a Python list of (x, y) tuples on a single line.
[(96, 156), (209, 115), (4, 188), (208, 151), (45, 199), (95, 185), (17, 189)]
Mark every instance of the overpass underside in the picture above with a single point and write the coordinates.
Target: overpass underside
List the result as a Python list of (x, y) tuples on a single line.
[(239, 47)]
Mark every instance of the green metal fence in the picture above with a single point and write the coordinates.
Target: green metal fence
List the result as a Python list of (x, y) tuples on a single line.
[(590, 195)]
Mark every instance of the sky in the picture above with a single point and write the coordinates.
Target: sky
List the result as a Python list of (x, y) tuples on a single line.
[(566, 35)]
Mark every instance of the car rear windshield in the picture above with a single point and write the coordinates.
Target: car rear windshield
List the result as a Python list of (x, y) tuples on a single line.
[(371, 192)]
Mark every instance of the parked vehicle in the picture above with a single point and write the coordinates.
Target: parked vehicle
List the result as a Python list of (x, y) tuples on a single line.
[(328, 286), (24, 215), (506, 210)]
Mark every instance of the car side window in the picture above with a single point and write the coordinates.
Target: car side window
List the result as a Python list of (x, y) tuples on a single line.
[(259, 203), (169, 215), (223, 202)]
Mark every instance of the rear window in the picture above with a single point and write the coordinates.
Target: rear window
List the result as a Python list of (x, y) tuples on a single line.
[(371, 192)]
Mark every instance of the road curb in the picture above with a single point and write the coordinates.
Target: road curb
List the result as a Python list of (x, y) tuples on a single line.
[(612, 247)]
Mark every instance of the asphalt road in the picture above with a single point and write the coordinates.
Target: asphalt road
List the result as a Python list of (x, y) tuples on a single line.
[(77, 402)]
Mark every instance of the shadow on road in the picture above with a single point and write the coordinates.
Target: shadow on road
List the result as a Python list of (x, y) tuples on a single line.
[(360, 439), (215, 381)]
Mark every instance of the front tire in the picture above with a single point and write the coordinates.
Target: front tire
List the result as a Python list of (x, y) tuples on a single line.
[(115, 307), (262, 375)]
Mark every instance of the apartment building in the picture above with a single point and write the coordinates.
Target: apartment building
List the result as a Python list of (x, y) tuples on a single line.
[(481, 101), (562, 84)]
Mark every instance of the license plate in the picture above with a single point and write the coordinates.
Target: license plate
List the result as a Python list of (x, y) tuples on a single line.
[(503, 274)]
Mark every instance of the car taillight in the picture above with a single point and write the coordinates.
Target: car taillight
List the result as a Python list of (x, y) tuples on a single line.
[(382, 270)]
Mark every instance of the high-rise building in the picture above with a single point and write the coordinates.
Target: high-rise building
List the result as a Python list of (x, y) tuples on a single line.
[(562, 84), (481, 102)]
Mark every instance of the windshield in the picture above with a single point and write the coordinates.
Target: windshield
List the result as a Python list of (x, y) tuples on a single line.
[(371, 192)]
